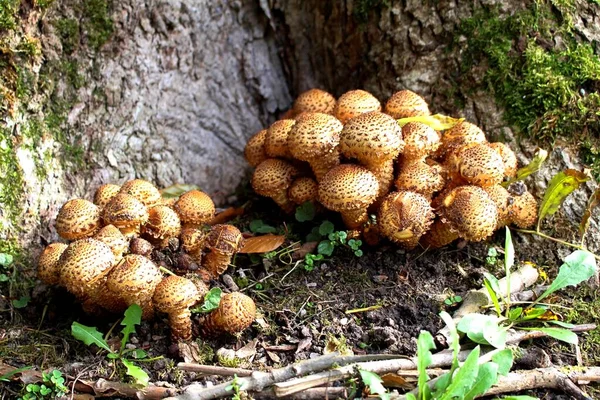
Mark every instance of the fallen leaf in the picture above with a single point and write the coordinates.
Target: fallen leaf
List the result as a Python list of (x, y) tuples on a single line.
[(226, 215), (304, 344), (249, 350), (273, 356), (438, 122), (585, 220), (177, 190), (559, 187), (306, 248), (262, 244), (395, 381), (190, 352), (262, 323)]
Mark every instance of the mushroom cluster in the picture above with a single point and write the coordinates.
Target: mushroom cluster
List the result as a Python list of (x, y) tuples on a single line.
[(117, 253), (352, 156)]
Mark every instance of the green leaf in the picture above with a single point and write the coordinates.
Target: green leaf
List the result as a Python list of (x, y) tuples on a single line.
[(5, 259), (454, 339), (579, 266), (177, 190), (139, 375), (561, 334), (325, 247), (258, 226), (425, 344), (438, 122), (509, 257), (112, 356), (326, 228), (211, 301), (305, 212), (562, 324), (21, 303), (515, 313), (314, 235), (89, 335), (533, 313), (534, 166), (504, 359), (560, 186), (133, 317), (375, 383), (464, 378), (486, 378), (6, 377), (483, 329), (490, 282), (3, 278), (410, 396), (520, 397), (139, 354)]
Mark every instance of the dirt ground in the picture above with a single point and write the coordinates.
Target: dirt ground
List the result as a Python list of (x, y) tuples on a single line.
[(301, 313)]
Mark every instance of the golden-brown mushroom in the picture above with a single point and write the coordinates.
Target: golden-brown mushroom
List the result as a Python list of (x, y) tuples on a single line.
[(314, 139), (421, 177), (349, 189), (524, 210), (222, 242), (478, 164), (105, 193), (420, 140), (254, 152), (192, 242), (314, 100), (113, 238), (134, 280), (375, 140), (503, 200), (459, 135), (163, 224), (142, 190), (235, 313), (174, 295), (303, 189), (78, 219), (127, 213), (406, 103), (354, 103), (508, 156), (48, 265), (440, 234), (272, 178), (404, 217), (195, 208), (276, 139), (141, 247)]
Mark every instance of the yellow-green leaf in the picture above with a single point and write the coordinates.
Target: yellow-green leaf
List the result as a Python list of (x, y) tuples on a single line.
[(262, 244), (438, 122), (560, 186), (585, 220), (177, 190), (534, 166)]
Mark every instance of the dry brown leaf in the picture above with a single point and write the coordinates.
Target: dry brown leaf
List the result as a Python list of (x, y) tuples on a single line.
[(306, 248), (273, 356), (395, 381), (190, 352), (226, 215), (262, 244)]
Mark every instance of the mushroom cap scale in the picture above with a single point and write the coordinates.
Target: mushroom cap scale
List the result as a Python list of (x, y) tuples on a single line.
[(78, 219), (503, 200), (523, 211), (48, 263), (254, 152), (314, 100), (314, 135), (235, 313), (163, 223), (404, 217), (195, 208), (105, 193), (406, 103), (224, 238), (420, 140), (354, 103), (459, 135), (142, 190), (421, 177), (113, 238), (478, 164), (348, 187), (175, 293), (126, 213), (303, 189), (272, 178), (135, 277), (276, 139), (508, 157)]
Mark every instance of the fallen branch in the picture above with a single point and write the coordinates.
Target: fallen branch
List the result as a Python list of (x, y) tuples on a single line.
[(214, 370), (517, 336), (309, 394), (104, 388)]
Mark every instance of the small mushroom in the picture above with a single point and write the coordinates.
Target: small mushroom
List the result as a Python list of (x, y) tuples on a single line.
[(523, 211), (406, 103), (314, 100), (163, 224), (459, 135), (48, 263), (142, 190), (503, 200), (421, 177), (222, 242), (235, 313), (272, 178), (174, 295), (303, 189), (78, 219), (478, 164), (276, 138), (314, 139), (195, 208), (134, 280), (254, 152), (508, 157), (105, 193), (113, 238), (192, 242), (354, 103), (404, 217), (420, 140), (141, 247), (127, 213), (440, 234), (349, 189), (375, 140)]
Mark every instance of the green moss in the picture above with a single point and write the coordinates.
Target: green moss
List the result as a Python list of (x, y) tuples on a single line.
[(97, 22), (584, 308), (363, 8), (68, 31), (8, 13), (547, 91), (11, 181)]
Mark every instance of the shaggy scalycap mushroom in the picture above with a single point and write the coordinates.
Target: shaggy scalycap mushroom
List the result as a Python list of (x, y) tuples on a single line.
[(404, 217), (235, 313), (354, 103), (503, 200), (272, 178), (192, 242), (508, 157), (254, 152), (421, 177), (195, 208), (405, 103), (174, 295), (163, 224), (142, 190), (523, 211), (314, 139), (459, 135), (48, 265), (440, 234), (314, 100), (420, 140), (478, 164), (78, 219), (105, 193), (303, 189), (276, 139), (375, 140), (126, 213), (113, 238), (349, 189), (222, 242)]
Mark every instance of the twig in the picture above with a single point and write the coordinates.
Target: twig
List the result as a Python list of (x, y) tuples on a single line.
[(309, 394), (517, 336), (214, 370), (364, 309), (104, 388), (564, 243)]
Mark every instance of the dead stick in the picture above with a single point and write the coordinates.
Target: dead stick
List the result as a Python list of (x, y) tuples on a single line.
[(309, 394), (214, 370), (517, 336), (104, 388)]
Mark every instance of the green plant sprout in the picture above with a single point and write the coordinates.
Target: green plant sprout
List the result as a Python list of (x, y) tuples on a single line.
[(8, 273), (236, 388), (211, 301), (52, 387), (90, 335)]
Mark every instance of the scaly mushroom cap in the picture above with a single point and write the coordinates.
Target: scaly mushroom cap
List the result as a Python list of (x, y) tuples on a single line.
[(420, 140), (126, 213), (113, 238), (477, 164), (254, 152), (82, 266), (302, 190), (198, 280), (524, 210), (174, 295), (78, 219), (354, 103), (48, 266), (459, 135), (163, 224), (418, 176), (142, 190), (141, 247), (314, 100), (406, 103), (314, 138), (470, 212), (105, 193), (439, 235), (235, 313), (223, 241), (404, 217), (272, 178), (508, 157), (276, 139), (192, 241), (134, 280), (503, 200), (195, 208)]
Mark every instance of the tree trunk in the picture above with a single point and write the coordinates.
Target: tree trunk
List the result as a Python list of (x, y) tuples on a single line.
[(169, 91)]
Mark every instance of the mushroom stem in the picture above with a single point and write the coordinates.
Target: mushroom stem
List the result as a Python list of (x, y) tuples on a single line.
[(385, 175), (324, 163), (439, 235), (355, 219), (216, 263), (283, 201), (181, 324)]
